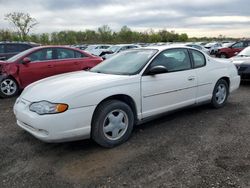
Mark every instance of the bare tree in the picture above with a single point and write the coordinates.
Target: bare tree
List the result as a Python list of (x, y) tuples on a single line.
[(23, 22)]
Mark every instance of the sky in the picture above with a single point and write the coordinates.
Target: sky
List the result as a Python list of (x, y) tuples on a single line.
[(197, 18)]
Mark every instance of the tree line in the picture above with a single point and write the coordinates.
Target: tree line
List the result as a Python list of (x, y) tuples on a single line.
[(103, 34), (23, 23)]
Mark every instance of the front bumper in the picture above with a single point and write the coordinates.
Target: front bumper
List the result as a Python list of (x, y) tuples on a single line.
[(74, 124)]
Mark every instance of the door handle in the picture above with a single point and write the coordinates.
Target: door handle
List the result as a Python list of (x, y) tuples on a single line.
[(76, 63), (191, 78), (50, 66)]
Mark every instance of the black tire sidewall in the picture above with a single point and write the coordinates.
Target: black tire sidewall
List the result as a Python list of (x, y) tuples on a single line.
[(223, 54), (214, 102), (2, 95), (97, 124)]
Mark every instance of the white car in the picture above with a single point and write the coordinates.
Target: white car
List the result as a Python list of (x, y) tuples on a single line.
[(131, 87), (97, 49), (116, 49)]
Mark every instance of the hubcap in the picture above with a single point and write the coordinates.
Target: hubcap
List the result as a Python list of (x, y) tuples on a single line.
[(115, 124), (221, 93), (8, 87)]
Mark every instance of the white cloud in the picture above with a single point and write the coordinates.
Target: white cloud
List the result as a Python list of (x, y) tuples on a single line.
[(196, 17)]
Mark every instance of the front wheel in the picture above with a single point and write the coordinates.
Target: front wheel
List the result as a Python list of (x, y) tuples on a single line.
[(8, 88), (112, 123), (220, 94)]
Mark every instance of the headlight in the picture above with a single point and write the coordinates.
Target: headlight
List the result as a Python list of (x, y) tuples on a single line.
[(45, 107)]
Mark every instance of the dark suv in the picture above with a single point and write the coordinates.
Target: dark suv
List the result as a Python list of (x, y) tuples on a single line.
[(9, 49), (233, 50)]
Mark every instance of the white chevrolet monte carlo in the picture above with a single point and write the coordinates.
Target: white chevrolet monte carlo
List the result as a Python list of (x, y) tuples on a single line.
[(134, 86)]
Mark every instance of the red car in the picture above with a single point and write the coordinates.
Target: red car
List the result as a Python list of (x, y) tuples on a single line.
[(41, 62), (232, 50)]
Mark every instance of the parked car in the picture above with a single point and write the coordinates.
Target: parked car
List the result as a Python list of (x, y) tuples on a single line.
[(199, 47), (41, 62), (129, 88), (224, 45), (116, 49), (233, 50), (242, 62), (213, 46), (97, 49), (80, 46), (9, 49)]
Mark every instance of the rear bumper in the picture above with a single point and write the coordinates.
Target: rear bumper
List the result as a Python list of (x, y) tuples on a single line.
[(234, 83)]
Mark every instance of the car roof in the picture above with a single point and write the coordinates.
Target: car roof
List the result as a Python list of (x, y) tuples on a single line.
[(165, 47), (17, 42)]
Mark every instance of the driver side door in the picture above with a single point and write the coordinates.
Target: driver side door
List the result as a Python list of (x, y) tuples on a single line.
[(172, 90)]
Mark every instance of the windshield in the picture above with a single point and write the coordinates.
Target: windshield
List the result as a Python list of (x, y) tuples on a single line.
[(125, 63), (114, 48), (245, 52), (90, 47), (16, 57)]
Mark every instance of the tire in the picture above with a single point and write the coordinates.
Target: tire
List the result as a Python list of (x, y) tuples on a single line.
[(8, 88), (223, 55), (108, 129), (220, 94)]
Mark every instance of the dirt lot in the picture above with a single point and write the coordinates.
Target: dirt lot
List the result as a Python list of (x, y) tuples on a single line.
[(198, 147)]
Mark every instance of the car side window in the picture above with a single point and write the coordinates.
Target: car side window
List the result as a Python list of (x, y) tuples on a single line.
[(22, 47), (79, 55), (65, 53), (1, 48), (238, 45), (198, 58), (11, 48), (41, 55), (173, 60), (246, 44)]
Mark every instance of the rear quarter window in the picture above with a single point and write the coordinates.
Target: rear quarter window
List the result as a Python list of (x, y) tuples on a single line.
[(198, 59), (79, 55)]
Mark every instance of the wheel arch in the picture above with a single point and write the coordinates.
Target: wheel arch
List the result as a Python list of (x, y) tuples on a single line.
[(227, 79), (121, 97), (12, 77)]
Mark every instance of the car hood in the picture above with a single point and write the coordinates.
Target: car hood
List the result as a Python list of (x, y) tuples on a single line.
[(71, 85)]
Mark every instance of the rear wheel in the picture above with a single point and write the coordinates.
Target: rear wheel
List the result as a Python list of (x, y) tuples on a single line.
[(112, 123), (220, 94), (8, 88), (223, 55)]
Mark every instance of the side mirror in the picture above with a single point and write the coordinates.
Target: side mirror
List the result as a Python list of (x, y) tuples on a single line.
[(26, 60), (159, 69)]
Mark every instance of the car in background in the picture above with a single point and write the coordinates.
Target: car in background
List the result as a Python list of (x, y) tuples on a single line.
[(199, 47), (9, 49), (242, 62), (224, 45), (130, 88), (213, 46), (233, 49), (97, 49), (80, 46), (116, 49), (40, 62)]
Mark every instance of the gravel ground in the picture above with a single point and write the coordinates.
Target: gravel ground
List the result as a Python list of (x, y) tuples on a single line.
[(197, 147)]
